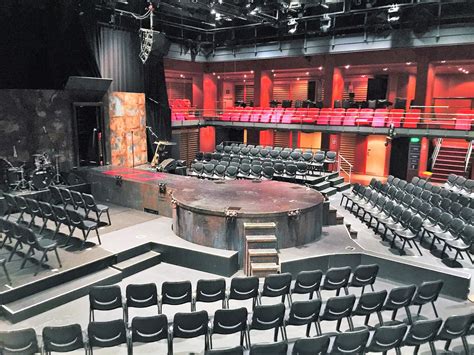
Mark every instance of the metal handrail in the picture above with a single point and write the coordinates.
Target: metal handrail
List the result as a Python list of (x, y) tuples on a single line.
[(434, 157), (468, 156), (339, 167)]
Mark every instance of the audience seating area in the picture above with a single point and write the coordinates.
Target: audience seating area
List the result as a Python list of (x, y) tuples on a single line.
[(418, 212), (72, 209), (181, 110), (243, 321), (261, 162), (382, 117)]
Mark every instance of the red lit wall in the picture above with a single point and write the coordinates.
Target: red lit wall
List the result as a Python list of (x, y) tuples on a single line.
[(266, 137), (207, 139), (266, 88), (454, 85), (337, 85), (360, 154), (209, 94)]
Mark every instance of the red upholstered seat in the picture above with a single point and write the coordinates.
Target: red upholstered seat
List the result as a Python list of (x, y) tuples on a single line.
[(245, 114), (365, 118), (380, 117), (266, 115), (324, 116), (235, 115), (337, 117), (412, 118), (288, 115), (277, 115), (255, 116), (351, 117), (395, 116)]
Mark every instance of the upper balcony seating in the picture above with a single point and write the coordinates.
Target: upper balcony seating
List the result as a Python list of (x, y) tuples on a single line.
[(367, 117), (181, 110)]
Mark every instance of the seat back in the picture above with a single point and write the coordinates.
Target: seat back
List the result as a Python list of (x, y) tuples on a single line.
[(268, 316), (176, 292), (229, 321), (423, 331), (22, 341), (336, 278), (149, 329), (141, 295), (364, 275), (351, 342), (243, 288), (387, 337), (400, 297), (107, 334), (280, 348), (210, 290), (370, 302), (190, 325), (105, 298), (314, 345), (304, 312), (63, 339), (338, 307)]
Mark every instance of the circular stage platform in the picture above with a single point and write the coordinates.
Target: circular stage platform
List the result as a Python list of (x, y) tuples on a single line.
[(213, 213)]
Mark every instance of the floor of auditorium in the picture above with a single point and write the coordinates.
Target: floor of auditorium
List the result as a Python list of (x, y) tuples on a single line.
[(137, 227)]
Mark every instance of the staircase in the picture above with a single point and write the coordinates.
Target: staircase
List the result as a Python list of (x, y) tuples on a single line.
[(451, 159), (332, 185), (261, 249)]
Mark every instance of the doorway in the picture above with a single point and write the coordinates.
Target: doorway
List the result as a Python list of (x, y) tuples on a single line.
[(376, 152), (90, 134)]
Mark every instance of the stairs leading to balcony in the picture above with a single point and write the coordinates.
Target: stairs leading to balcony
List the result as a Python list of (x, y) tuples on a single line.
[(451, 160)]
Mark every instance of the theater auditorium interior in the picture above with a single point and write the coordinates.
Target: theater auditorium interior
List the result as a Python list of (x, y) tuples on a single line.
[(236, 177)]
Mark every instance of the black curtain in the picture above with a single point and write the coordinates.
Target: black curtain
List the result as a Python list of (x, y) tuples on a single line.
[(44, 42), (158, 113)]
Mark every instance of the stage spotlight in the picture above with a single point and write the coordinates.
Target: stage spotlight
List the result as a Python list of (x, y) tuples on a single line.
[(326, 23)]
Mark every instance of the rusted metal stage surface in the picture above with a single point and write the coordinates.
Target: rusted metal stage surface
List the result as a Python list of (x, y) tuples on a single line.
[(213, 213)]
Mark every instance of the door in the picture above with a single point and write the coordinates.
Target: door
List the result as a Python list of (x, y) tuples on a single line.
[(90, 135), (376, 154)]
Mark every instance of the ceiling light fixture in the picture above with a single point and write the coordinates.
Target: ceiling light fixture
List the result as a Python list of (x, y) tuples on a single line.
[(443, 62), (320, 68), (307, 73), (347, 66), (408, 63), (385, 69)]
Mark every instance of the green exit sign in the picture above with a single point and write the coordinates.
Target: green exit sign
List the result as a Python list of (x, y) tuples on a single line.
[(414, 140)]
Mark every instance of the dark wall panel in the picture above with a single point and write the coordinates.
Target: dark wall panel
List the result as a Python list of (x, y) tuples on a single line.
[(118, 59)]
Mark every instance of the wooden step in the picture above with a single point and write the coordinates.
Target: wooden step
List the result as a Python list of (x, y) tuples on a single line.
[(263, 256), (263, 238), (263, 269), (250, 225), (339, 219)]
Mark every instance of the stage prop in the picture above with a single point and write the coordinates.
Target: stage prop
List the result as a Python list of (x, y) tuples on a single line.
[(127, 129)]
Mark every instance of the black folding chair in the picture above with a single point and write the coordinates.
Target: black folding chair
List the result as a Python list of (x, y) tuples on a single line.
[(337, 278), (269, 317), (187, 326), (427, 292), (304, 313), (175, 293), (308, 282), (338, 308), (311, 346), (243, 288), (280, 348), (364, 275), (456, 327), (106, 334), (22, 341), (370, 303), (141, 296), (63, 339), (387, 338), (105, 298), (351, 342), (209, 291), (98, 209), (400, 297), (422, 332), (230, 321), (149, 329), (78, 221), (277, 285)]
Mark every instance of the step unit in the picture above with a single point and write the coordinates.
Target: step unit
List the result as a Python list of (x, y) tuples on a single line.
[(329, 191), (343, 187), (336, 181), (261, 249), (43, 301), (322, 186)]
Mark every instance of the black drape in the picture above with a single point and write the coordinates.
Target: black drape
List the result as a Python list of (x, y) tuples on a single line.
[(158, 113)]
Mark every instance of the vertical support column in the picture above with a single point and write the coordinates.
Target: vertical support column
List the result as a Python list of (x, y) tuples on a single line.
[(257, 77), (337, 86), (207, 139), (209, 95), (424, 150), (392, 86), (328, 82), (424, 82), (266, 88), (198, 91)]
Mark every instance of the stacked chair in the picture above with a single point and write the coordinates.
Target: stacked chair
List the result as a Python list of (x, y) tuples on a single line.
[(261, 162), (308, 313), (417, 212), (72, 209)]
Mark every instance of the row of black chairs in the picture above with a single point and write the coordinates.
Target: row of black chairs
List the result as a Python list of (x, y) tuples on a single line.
[(262, 171), (152, 329), (20, 235), (460, 185), (409, 218), (59, 215)]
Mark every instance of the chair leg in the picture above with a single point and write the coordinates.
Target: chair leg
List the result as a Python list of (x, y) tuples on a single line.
[(338, 326), (465, 344), (417, 248), (372, 287), (308, 330), (415, 351), (40, 262), (25, 258), (434, 309), (13, 251), (432, 348), (394, 314), (108, 217), (283, 331), (57, 257), (98, 236), (351, 324), (379, 315), (6, 273), (446, 346), (275, 334), (318, 328), (407, 310), (419, 310)]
